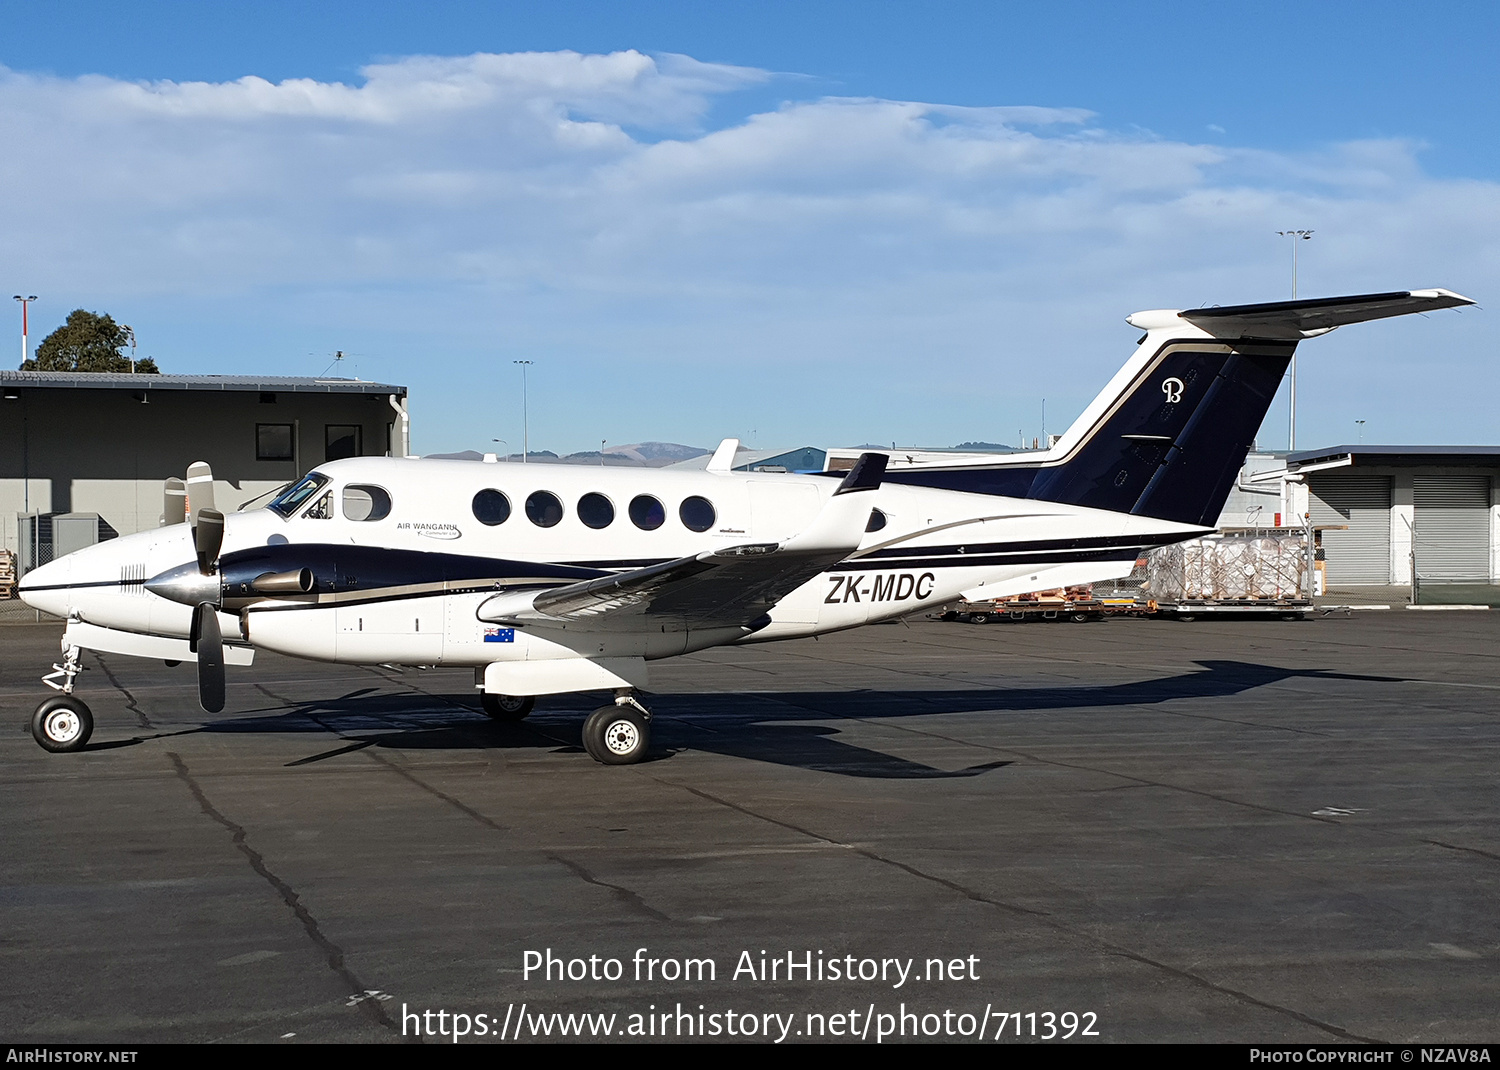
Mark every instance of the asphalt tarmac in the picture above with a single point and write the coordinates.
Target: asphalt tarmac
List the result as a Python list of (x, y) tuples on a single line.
[(1219, 831)]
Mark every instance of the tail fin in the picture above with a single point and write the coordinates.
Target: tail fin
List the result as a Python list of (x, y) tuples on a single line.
[(1171, 443), (1168, 435)]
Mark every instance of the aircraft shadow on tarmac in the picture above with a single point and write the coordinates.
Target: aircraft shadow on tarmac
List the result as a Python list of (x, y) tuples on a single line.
[(764, 726)]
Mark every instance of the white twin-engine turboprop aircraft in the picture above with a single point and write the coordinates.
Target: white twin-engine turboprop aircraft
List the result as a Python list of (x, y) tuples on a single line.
[(548, 579)]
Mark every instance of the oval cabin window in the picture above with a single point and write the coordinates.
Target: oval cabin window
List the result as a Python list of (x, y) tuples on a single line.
[(491, 507), (364, 502), (544, 509), (596, 510), (647, 513), (697, 513)]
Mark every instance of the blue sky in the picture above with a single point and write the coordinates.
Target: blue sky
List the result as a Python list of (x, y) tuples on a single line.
[(824, 222)]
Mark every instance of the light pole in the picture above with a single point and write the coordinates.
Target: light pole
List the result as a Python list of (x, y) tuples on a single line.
[(1296, 236), (505, 444), (525, 417), (25, 348), (602, 441), (1361, 424)]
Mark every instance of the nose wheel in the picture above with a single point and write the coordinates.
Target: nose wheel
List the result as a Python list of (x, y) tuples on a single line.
[(618, 734), (62, 723)]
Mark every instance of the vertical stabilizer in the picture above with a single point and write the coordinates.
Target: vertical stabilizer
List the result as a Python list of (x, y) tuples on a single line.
[(1167, 436)]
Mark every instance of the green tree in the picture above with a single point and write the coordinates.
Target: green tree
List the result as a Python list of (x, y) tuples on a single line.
[(88, 342)]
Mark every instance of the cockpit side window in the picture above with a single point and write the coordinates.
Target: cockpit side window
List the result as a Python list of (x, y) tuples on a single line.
[(362, 501), (295, 496), (322, 509)]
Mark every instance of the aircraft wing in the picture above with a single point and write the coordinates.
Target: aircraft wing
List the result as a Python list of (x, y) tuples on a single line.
[(730, 587), (1299, 319)]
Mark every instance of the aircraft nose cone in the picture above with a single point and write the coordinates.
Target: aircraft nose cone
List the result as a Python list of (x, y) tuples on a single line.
[(48, 588), (185, 584)]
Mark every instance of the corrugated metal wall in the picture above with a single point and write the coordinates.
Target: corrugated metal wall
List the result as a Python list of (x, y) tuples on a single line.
[(1452, 514), (1362, 553)]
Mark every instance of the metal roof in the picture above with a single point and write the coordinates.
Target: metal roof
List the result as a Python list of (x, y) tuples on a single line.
[(246, 383), (1400, 456)]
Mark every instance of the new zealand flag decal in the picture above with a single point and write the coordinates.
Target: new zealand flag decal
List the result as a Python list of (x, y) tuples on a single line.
[(499, 635)]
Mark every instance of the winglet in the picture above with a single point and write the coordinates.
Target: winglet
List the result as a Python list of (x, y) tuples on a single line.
[(866, 474), (723, 458)]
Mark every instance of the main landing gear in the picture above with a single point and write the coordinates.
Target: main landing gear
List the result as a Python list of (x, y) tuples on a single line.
[(507, 707), (618, 734), (63, 722)]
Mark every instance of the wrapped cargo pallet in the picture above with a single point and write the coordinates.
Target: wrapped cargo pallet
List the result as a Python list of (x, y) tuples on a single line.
[(1229, 568)]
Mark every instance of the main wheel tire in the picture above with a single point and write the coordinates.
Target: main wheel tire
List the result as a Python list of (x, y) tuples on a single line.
[(979, 618), (1187, 618), (507, 707), (62, 723), (616, 735)]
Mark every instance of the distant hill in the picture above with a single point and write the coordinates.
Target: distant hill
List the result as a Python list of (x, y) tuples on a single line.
[(982, 446), (535, 456), (639, 455), (655, 454), (610, 460)]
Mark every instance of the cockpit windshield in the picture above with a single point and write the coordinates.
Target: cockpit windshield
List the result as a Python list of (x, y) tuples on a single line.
[(295, 496)]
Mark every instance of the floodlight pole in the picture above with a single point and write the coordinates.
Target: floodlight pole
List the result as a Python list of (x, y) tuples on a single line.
[(525, 416), (25, 347), (1295, 235)]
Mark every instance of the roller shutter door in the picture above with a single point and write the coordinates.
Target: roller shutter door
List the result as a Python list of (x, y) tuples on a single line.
[(1453, 528), (1362, 553)]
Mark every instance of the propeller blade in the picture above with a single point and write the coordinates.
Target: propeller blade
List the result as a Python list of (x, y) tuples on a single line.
[(208, 537), (174, 501), (200, 488), (210, 646)]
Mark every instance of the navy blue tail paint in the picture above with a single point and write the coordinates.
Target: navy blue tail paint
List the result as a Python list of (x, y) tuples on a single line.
[(1170, 447)]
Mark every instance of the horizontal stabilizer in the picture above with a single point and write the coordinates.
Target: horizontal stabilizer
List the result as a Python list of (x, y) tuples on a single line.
[(1302, 319)]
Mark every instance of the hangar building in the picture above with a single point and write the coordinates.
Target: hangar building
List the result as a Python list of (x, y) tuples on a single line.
[(86, 454), (1377, 504)]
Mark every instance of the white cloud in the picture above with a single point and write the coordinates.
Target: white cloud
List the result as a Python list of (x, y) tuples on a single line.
[(577, 205)]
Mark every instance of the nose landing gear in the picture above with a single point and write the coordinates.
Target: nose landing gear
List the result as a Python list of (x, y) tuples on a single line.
[(63, 722)]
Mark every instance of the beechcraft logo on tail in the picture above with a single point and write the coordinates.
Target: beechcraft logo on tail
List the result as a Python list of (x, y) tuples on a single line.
[(499, 635), (1173, 388)]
